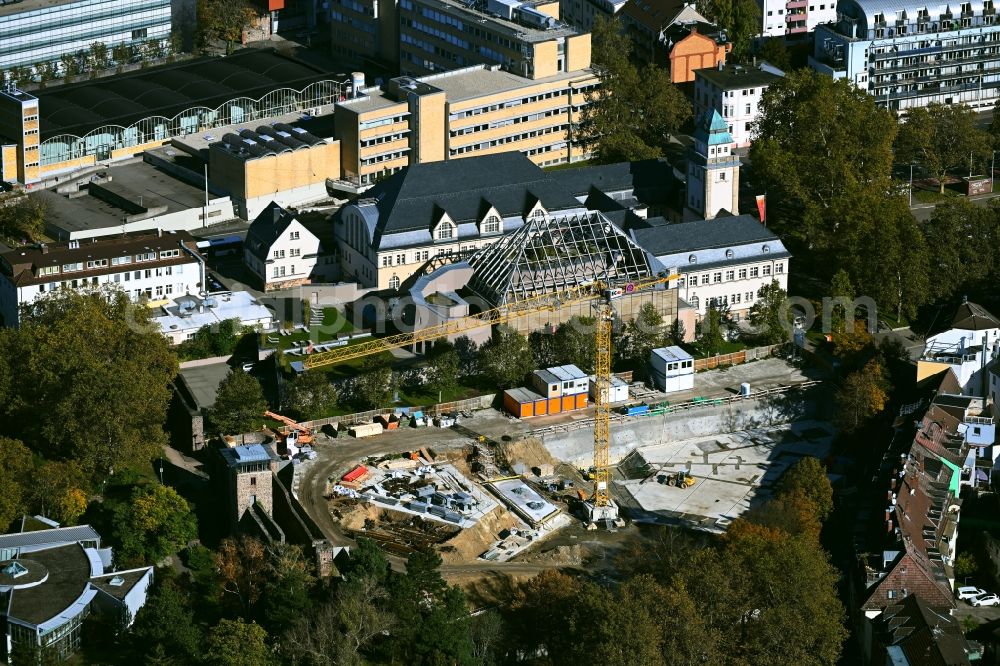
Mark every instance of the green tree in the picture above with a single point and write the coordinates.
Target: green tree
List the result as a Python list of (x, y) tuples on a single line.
[(47, 71), (98, 56), (965, 243), (809, 476), (285, 598), (214, 339), (22, 216), (239, 404), (842, 289), (941, 137), (575, 344), (443, 368), (311, 396), (543, 349), (965, 565), (167, 622), (632, 114), (237, 643), (156, 522), (712, 339), (769, 315), (775, 52), (740, 19), (121, 54), (506, 358), (863, 394), (224, 20), (70, 65), (90, 381), (15, 474), (820, 144), (375, 383), (55, 490), (994, 129), (643, 334), (468, 355)]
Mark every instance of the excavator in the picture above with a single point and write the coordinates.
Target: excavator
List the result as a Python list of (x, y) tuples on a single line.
[(293, 434)]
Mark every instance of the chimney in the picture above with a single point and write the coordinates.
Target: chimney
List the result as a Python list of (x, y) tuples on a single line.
[(720, 65), (159, 232), (44, 248), (277, 214)]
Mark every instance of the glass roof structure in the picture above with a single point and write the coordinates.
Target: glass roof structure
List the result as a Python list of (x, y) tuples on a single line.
[(550, 254)]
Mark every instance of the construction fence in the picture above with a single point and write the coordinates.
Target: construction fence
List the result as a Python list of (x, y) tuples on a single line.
[(735, 358), (466, 405)]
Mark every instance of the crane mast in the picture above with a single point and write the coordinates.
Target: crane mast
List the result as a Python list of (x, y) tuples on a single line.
[(602, 410)]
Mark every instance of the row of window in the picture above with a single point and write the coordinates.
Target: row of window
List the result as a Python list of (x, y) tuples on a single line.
[(385, 138), (280, 271), (385, 157), (509, 121), (101, 263), (485, 145), (117, 278), (730, 275), (434, 32), (489, 108), (292, 252), (381, 122)]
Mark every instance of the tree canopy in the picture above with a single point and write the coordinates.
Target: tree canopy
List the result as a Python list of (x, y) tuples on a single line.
[(155, 522), (310, 396), (942, 137), (239, 404), (89, 381), (506, 359), (769, 314), (633, 112)]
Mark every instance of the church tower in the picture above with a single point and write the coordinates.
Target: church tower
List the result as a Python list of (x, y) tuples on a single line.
[(713, 172)]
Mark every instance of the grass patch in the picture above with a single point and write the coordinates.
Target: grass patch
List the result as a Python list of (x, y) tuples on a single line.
[(726, 348), (934, 196), (335, 325), (572, 165)]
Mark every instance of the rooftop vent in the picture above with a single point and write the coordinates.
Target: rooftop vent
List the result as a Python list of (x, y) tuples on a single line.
[(117, 581)]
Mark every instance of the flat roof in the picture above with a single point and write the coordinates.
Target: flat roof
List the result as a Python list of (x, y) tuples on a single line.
[(472, 82), (672, 353), (525, 500), (737, 77), (522, 394), (78, 108), (215, 309), (203, 382), (132, 181), (69, 570), (198, 143), (128, 580), (518, 31)]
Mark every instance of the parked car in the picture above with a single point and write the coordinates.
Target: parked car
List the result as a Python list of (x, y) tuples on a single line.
[(969, 592), (987, 599)]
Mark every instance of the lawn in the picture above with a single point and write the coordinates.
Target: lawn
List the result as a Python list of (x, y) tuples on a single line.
[(335, 325), (726, 348)]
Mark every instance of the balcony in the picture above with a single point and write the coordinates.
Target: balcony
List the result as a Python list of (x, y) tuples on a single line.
[(796, 4)]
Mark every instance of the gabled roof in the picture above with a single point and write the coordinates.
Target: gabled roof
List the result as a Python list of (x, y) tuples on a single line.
[(556, 253), (721, 232), (60, 535), (926, 635), (654, 15), (266, 228), (411, 199), (911, 572), (649, 181), (973, 317)]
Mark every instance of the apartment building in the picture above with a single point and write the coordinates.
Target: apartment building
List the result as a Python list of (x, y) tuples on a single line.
[(722, 262), (449, 208), (465, 113), (155, 267), (734, 91), (283, 252), (38, 31), (910, 55), (795, 17)]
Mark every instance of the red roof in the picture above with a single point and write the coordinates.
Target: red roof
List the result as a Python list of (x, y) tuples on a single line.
[(356, 473)]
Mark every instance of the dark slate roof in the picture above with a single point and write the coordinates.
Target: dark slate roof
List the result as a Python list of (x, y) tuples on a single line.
[(653, 14), (678, 31), (973, 317), (414, 198), (129, 579), (735, 77), (650, 181), (702, 234), (266, 228), (927, 636), (69, 574)]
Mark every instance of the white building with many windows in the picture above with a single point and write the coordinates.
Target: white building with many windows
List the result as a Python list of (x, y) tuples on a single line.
[(282, 251), (795, 17), (908, 54), (37, 31), (734, 91), (723, 261), (155, 267)]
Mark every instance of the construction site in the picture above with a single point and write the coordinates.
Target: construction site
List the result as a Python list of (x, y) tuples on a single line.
[(586, 453)]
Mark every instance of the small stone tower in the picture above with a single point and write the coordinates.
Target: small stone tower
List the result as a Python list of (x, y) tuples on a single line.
[(713, 172)]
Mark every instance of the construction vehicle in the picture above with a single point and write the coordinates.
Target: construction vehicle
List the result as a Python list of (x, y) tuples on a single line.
[(294, 435), (681, 479), (601, 507)]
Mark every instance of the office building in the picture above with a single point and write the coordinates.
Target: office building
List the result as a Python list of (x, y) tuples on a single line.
[(734, 91), (795, 17), (908, 56), (582, 14), (465, 113), (39, 31), (365, 30), (51, 580), (145, 266)]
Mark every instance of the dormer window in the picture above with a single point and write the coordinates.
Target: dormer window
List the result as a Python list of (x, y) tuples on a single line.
[(729, 254), (445, 231), (491, 225), (766, 249), (693, 259)]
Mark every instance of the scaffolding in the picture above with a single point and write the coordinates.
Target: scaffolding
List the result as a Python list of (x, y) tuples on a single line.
[(551, 254)]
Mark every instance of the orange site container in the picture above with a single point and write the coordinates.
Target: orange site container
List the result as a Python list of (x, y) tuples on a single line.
[(523, 403)]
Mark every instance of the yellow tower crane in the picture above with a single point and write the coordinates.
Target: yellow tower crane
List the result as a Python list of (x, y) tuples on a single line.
[(601, 506)]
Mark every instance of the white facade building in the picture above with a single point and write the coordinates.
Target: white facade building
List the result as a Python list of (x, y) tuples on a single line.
[(183, 318), (734, 91), (37, 31), (283, 252), (155, 267), (795, 17), (725, 261), (910, 55), (969, 346)]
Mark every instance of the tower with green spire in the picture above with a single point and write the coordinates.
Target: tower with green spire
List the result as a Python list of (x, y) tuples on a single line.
[(713, 172)]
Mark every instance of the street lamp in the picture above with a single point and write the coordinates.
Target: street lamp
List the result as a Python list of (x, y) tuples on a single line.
[(911, 184)]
